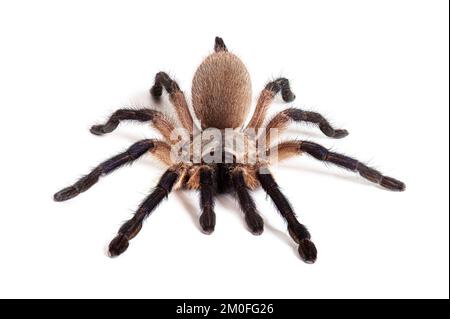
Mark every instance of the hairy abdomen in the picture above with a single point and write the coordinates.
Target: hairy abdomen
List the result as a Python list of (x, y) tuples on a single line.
[(221, 91)]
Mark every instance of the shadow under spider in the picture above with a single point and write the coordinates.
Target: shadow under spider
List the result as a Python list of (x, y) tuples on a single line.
[(228, 201), (304, 133), (347, 177), (189, 206)]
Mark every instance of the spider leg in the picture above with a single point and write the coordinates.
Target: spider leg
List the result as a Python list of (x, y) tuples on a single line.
[(176, 96), (282, 120), (291, 148), (132, 153), (132, 227), (281, 84), (297, 231), (254, 221), (208, 217), (321, 153), (159, 121), (266, 97)]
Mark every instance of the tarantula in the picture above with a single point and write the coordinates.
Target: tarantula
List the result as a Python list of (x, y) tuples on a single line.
[(221, 98)]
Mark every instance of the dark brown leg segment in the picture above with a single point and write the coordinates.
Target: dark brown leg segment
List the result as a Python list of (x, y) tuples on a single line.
[(134, 152), (298, 232), (163, 80), (281, 84), (254, 221), (132, 227), (208, 217)]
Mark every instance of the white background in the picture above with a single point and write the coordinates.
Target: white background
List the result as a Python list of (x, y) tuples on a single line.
[(376, 68)]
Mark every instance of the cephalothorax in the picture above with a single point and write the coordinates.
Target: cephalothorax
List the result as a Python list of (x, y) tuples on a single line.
[(221, 99)]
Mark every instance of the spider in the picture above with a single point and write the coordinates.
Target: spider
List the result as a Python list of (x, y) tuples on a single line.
[(221, 99)]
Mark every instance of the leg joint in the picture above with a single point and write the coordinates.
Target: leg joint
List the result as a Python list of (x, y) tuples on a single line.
[(267, 182), (206, 178), (315, 150), (343, 161), (296, 115), (167, 181), (139, 148), (162, 78)]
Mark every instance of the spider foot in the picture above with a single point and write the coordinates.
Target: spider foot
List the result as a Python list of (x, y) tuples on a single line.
[(329, 131), (156, 92), (340, 133), (392, 184), (281, 84), (97, 130), (118, 245), (287, 95), (65, 194), (307, 251), (376, 177), (163, 81), (208, 222), (108, 127), (255, 223), (306, 248)]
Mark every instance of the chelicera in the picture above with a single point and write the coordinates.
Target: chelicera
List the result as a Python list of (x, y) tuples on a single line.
[(221, 99)]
